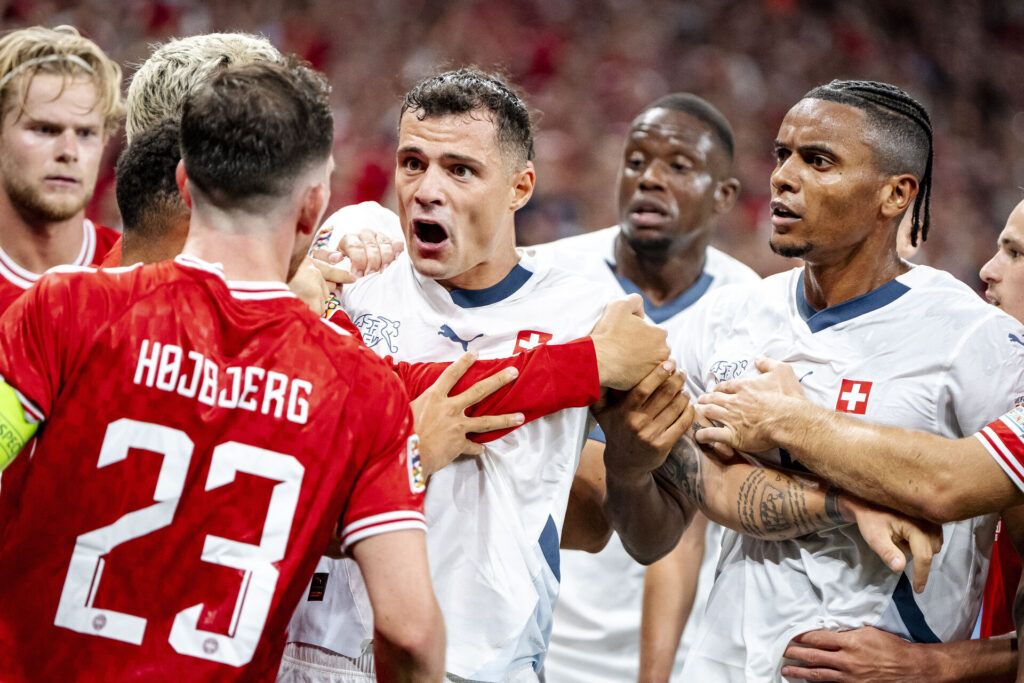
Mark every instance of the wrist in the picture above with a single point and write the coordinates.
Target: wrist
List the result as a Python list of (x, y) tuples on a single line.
[(840, 507)]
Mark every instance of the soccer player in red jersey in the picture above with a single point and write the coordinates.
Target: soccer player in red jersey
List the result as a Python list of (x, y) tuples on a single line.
[(202, 431), (60, 99)]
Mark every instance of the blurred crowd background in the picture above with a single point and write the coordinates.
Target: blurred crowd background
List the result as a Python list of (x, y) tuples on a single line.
[(587, 67)]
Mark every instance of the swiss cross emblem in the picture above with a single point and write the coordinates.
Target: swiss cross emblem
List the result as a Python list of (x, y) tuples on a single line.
[(527, 339), (853, 397)]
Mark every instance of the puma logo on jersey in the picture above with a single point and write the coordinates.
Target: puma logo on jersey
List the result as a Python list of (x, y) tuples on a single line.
[(724, 369), (449, 333), (1014, 338), (376, 329)]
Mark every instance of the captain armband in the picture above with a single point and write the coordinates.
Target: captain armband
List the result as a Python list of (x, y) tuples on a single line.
[(15, 430)]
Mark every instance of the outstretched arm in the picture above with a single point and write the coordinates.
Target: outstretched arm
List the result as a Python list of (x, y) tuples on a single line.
[(923, 475), (651, 476)]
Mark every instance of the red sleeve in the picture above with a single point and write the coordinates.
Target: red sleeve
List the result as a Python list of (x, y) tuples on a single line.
[(551, 378), (388, 492), (31, 338)]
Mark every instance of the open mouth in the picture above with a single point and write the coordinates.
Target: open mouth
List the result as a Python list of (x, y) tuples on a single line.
[(782, 211), (648, 213), (429, 232)]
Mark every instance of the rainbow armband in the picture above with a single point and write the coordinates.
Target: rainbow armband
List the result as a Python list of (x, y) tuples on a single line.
[(15, 430)]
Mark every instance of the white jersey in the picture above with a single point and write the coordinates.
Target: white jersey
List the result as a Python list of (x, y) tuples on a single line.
[(596, 637), (494, 520), (920, 352)]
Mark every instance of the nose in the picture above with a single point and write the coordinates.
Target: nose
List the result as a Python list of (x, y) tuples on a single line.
[(653, 177), (67, 146), (429, 189), (990, 271), (784, 177)]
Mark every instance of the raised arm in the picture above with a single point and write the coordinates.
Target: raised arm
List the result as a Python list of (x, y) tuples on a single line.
[(923, 475)]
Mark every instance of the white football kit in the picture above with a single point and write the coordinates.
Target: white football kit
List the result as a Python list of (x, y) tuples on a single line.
[(596, 636), (920, 352), (493, 520)]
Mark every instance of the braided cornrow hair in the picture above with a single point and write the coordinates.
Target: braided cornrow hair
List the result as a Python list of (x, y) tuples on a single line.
[(887, 106)]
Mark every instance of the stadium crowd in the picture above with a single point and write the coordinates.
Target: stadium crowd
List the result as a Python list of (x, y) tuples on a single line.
[(439, 502)]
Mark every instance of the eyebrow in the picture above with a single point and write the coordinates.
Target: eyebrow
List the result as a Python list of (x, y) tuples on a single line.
[(807, 149), (447, 156), (1009, 242)]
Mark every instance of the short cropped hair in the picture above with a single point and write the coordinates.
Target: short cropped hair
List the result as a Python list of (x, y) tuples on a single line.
[(147, 191), (249, 130), (702, 110), (158, 88), (62, 51), (469, 89), (901, 136)]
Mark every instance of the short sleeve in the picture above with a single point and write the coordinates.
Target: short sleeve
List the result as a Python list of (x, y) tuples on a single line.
[(388, 492), (986, 373), (1003, 438)]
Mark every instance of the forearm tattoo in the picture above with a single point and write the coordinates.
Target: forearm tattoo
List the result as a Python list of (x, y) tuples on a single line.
[(683, 468), (773, 505)]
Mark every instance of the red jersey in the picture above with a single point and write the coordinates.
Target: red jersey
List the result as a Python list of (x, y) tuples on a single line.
[(96, 242), (200, 440)]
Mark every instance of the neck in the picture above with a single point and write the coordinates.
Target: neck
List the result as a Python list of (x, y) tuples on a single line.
[(829, 283), (662, 277), (38, 246), (148, 248), (260, 253)]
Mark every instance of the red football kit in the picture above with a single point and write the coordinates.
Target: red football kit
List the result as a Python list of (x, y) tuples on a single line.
[(200, 440), (97, 240)]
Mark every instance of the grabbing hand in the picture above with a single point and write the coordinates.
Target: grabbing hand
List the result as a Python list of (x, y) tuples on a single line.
[(863, 654), (314, 281), (441, 422), (891, 535), (642, 426), (746, 408), (627, 347), (368, 252)]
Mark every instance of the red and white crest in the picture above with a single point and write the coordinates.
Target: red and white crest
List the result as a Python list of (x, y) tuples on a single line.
[(853, 397), (528, 339)]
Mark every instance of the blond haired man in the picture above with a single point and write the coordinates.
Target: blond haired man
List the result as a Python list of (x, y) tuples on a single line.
[(60, 99)]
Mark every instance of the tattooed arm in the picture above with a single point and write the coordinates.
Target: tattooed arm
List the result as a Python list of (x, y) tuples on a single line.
[(655, 470)]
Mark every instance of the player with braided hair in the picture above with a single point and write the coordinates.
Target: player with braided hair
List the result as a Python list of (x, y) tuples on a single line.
[(869, 334)]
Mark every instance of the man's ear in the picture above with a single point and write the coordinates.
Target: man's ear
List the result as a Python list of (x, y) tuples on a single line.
[(182, 179), (897, 195), (726, 194), (522, 186), (314, 204)]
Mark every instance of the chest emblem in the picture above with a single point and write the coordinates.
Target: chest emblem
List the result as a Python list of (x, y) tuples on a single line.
[(376, 329), (528, 339), (853, 397), (449, 333)]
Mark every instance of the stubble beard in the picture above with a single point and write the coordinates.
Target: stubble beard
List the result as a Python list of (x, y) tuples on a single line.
[(32, 206), (792, 251)]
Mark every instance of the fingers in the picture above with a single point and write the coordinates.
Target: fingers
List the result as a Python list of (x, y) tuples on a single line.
[(635, 305), (801, 673), (332, 274), (766, 364), (639, 394), (453, 373), (878, 534), (666, 392), (825, 640), (327, 256), (397, 246), (921, 548), (490, 423), (487, 386)]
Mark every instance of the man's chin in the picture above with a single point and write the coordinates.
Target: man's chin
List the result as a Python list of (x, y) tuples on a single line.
[(652, 245), (790, 250)]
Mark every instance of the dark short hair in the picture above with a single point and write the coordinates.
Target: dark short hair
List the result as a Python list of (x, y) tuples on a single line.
[(146, 187), (702, 110), (250, 129), (901, 135), (469, 89)]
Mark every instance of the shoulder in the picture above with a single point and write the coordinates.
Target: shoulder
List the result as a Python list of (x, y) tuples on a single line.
[(597, 241), (728, 270)]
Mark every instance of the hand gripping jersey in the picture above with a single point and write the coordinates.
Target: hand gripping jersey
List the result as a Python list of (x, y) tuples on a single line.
[(200, 440), (494, 520), (596, 636), (96, 242), (920, 352)]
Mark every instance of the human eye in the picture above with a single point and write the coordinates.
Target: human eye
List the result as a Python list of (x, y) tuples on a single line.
[(462, 171), (681, 165), (781, 154), (411, 164), (635, 161)]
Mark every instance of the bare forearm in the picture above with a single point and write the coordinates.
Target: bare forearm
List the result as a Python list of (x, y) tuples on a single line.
[(670, 586), (922, 475), (648, 519), (990, 660)]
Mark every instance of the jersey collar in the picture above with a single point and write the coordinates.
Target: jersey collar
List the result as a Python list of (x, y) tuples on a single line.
[(509, 285), (865, 303), (660, 314)]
